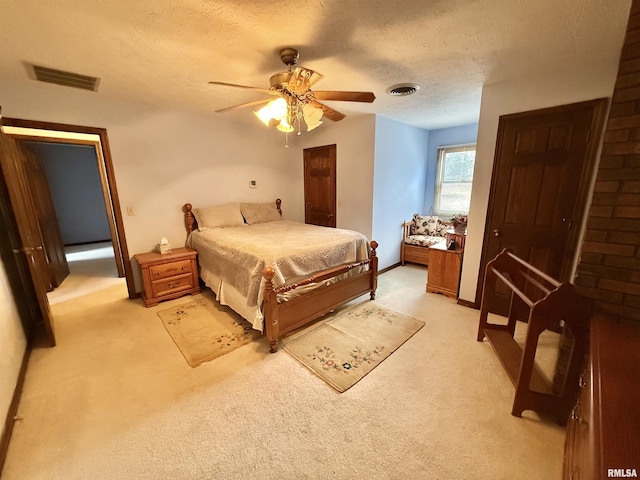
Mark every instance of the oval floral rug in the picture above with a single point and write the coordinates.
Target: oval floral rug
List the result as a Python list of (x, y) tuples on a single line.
[(344, 349)]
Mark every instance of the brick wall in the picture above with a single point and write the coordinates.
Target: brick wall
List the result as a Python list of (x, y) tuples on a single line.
[(609, 267)]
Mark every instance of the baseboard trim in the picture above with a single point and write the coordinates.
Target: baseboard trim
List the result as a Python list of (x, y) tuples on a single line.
[(390, 267), (467, 303), (13, 407)]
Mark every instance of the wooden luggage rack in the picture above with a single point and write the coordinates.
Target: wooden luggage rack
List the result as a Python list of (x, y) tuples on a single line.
[(549, 302)]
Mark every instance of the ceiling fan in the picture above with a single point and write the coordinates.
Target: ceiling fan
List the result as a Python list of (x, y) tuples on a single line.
[(295, 103)]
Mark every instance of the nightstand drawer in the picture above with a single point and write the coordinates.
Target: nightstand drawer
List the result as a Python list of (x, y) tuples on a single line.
[(172, 269), (172, 285)]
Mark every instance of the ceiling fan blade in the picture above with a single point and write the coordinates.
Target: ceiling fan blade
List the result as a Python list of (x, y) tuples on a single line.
[(329, 112), (257, 89), (367, 97), (250, 104)]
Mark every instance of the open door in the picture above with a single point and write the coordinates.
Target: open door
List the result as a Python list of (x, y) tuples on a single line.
[(542, 170), (14, 169), (47, 218)]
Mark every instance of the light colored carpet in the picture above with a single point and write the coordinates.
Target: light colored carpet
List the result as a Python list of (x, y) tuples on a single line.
[(116, 400), (203, 330), (351, 343)]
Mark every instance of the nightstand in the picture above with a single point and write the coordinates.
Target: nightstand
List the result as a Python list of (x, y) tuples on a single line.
[(169, 275), (443, 273)]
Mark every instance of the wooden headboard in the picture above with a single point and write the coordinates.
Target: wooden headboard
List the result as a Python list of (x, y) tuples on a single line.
[(190, 219)]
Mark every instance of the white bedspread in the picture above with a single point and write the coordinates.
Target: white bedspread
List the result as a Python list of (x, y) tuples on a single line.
[(232, 258)]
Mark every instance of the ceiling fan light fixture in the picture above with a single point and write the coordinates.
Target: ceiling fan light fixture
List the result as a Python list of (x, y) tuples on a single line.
[(312, 116), (263, 115), (284, 126), (274, 110), (402, 89)]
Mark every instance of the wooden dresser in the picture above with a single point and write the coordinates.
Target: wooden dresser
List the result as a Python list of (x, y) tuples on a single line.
[(169, 275), (603, 432)]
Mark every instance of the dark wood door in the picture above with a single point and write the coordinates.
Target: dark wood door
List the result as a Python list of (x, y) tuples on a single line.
[(16, 266), (320, 185), (542, 169), (14, 170), (47, 219)]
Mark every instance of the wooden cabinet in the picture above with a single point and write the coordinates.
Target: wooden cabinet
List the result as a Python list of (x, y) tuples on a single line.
[(602, 433), (167, 276), (444, 270)]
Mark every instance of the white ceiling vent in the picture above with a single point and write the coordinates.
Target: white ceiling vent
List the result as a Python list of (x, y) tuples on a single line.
[(68, 79), (402, 89)]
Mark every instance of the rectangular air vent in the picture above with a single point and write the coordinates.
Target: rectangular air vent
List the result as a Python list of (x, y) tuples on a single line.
[(68, 79)]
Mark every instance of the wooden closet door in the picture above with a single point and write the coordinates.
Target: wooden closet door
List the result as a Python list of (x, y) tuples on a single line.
[(320, 185)]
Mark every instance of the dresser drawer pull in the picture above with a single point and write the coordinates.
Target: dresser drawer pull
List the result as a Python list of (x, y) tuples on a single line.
[(174, 284)]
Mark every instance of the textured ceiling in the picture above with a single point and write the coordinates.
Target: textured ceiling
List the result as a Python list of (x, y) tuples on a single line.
[(164, 52)]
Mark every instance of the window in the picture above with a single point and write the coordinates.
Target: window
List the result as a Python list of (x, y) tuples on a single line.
[(453, 180)]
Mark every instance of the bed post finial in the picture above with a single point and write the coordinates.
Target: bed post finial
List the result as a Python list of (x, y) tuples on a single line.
[(189, 218), (279, 206)]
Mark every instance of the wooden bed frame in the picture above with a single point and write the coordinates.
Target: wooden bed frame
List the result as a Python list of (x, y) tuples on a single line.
[(281, 318)]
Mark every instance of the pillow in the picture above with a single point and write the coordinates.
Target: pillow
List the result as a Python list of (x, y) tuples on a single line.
[(259, 212), (218, 216), (424, 225)]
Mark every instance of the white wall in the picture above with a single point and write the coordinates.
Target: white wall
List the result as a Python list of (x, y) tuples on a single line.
[(399, 179), (355, 142), (167, 159), (520, 95), (13, 345)]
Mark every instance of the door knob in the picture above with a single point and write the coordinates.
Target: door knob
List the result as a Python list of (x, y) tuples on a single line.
[(497, 233)]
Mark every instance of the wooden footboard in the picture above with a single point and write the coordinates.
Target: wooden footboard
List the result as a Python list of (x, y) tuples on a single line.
[(282, 318)]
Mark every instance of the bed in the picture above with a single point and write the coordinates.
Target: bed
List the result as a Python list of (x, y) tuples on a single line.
[(278, 274)]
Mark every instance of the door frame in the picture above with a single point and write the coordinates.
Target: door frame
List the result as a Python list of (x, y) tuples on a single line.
[(97, 137), (600, 107)]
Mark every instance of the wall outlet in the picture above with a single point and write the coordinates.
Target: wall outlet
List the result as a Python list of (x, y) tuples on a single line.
[(253, 184), (130, 211)]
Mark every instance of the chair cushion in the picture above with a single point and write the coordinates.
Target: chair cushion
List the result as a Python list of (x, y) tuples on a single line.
[(424, 225), (423, 240), (428, 225)]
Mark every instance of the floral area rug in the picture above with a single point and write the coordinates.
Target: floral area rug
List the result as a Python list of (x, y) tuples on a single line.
[(203, 330), (346, 348)]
